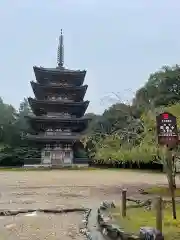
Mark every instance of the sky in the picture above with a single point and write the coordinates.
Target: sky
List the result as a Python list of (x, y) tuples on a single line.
[(118, 42)]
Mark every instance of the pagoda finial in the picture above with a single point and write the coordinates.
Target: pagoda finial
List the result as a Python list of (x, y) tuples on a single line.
[(60, 53)]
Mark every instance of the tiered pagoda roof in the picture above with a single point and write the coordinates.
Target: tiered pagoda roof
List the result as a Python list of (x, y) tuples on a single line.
[(41, 90), (76, 124), (52, 82), (46, 75), (41, 107)]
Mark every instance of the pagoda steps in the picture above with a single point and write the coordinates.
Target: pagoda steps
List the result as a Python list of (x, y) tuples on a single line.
[(49, 166)]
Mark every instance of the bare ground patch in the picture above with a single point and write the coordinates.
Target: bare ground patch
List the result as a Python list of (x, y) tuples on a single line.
[(61, 189), (41, 226)]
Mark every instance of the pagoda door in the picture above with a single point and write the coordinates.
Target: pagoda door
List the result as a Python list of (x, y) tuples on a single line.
[(46, 157), (67, 157), (57, 158)]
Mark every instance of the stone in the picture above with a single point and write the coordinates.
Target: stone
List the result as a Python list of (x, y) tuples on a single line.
[(104, 205), (104, 231), (142, 191), (10, 226), (149, 233), (83, 230)]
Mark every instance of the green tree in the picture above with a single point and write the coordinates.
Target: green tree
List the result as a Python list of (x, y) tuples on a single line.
[(21, 123), (161, 89), (8, 117)]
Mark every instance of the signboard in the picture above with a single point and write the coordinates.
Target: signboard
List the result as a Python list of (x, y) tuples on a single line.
[(167, 129)]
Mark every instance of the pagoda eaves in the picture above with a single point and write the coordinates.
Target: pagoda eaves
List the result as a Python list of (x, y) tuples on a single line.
[(45, 75), (41, 91), (40, 107), (43, 122)]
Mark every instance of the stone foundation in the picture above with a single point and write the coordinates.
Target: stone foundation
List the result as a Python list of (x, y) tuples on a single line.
[(57, 156), (55, 167)]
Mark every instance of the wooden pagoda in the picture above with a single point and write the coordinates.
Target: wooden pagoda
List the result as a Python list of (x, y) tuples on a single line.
[(58, 108)]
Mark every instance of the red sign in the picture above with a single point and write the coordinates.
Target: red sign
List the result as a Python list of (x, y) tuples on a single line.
[(165, 115)]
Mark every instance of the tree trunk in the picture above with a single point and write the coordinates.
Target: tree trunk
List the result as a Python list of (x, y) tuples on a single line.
[(172, 183), (172, 189), (174, 172)]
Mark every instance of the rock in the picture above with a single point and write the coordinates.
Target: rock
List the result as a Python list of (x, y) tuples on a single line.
[(84, 221), (104, 205), (106, 219), (83, 230), (33, 214), (104, 231), (10, 226), (150, 234), (142, 191)]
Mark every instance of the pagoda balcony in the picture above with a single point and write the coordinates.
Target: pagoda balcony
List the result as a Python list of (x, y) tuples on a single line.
[(56, 132), (38, 124), (59, 98), (53, 117), (58, 146), (57, 85), (59, 115), (43, 137)]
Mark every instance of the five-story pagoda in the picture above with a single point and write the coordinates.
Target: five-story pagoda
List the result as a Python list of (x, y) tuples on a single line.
[(58, 111)]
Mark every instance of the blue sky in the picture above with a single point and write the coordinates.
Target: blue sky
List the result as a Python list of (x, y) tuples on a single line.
[(119, 42)]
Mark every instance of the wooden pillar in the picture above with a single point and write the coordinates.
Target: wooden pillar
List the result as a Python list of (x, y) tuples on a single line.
[(123, 202), (159, 214)]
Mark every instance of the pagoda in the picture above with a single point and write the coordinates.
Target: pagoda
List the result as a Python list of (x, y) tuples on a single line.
[(58, 109)]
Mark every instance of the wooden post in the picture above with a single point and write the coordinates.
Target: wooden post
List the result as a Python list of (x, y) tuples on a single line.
[(172, 182), (124, 191), (159, 214), (173, 200)]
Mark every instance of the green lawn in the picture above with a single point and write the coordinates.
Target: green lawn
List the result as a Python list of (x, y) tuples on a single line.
[(162, 191), (46, 169), (139, 217)]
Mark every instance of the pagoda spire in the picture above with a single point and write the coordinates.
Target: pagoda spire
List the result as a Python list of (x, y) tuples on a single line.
[(60, 53)]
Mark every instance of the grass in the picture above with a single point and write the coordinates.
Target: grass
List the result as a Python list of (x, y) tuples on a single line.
[(14, 169), (162, 191), (139, 217), (23, 169)]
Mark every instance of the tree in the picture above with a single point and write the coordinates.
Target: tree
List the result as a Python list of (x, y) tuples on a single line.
[(161, 89), (8, 117), (21, 123), (13, 125), (169, 162)]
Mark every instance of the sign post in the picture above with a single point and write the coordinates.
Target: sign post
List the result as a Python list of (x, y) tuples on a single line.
[(167, 130), (168, 137)]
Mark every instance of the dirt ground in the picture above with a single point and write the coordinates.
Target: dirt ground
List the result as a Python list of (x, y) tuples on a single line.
[(61, 189)]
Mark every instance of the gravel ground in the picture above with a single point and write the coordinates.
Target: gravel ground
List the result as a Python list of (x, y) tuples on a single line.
[(61, 189), (41, 226)]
